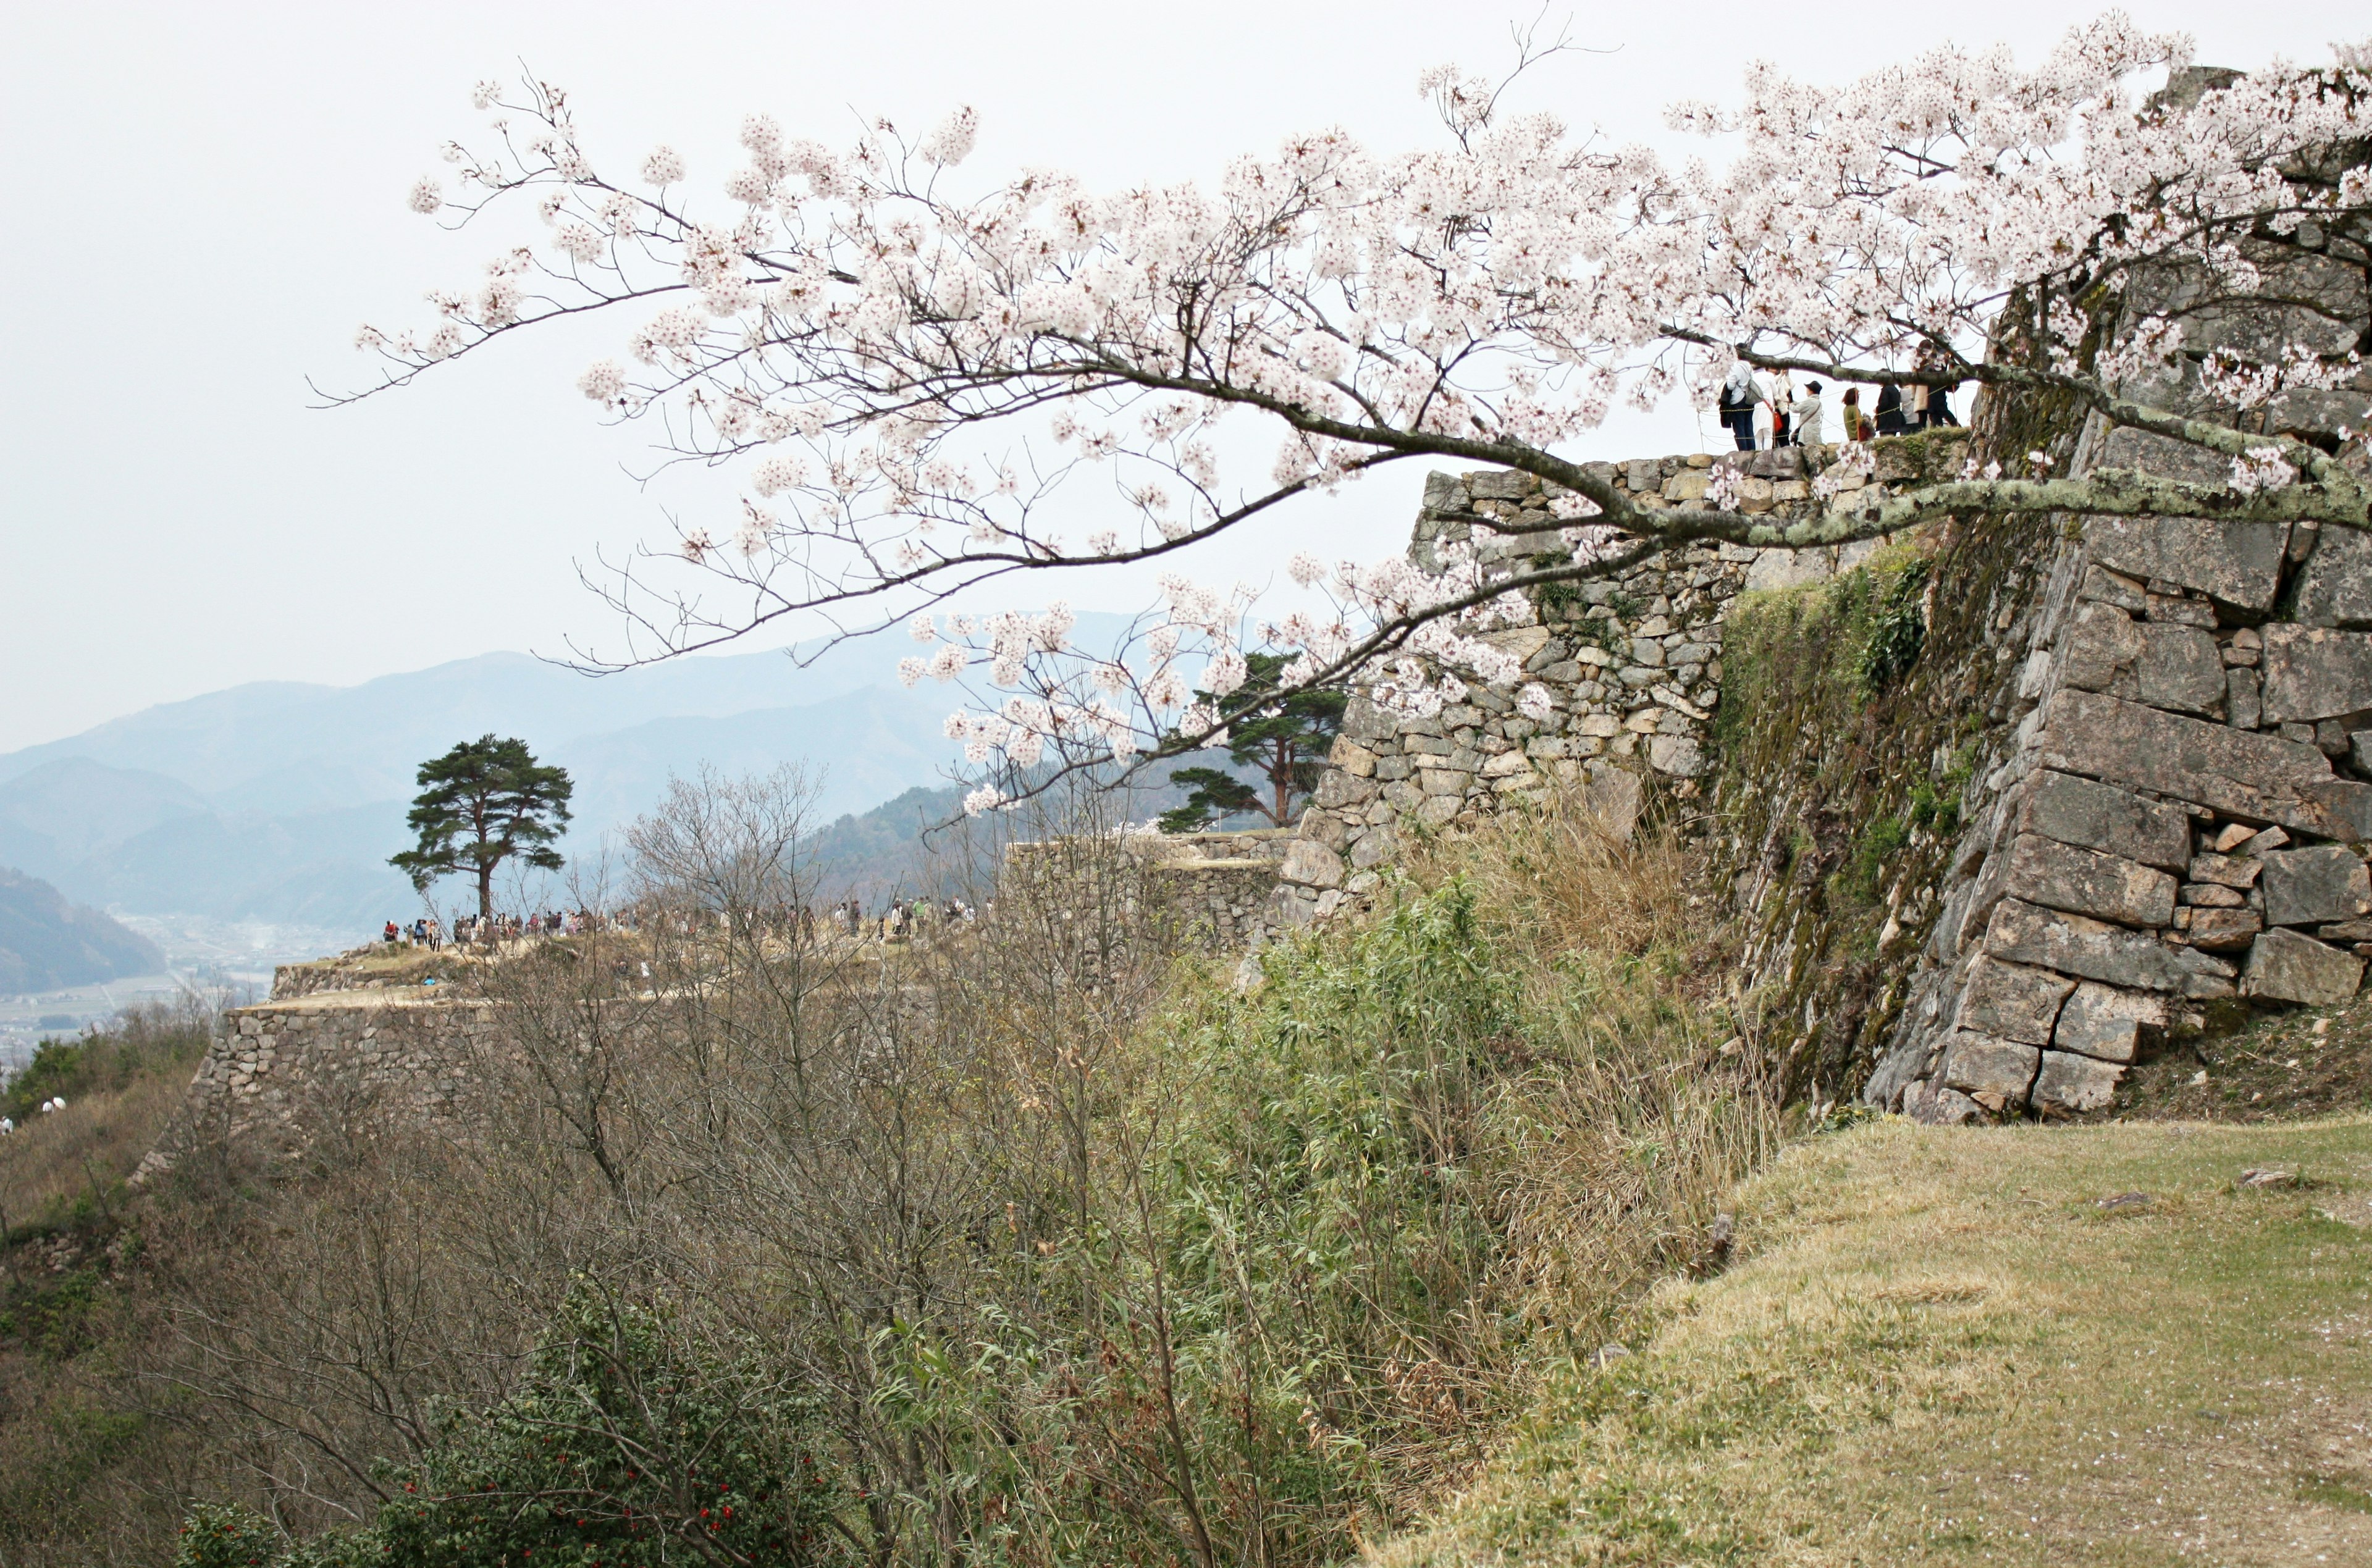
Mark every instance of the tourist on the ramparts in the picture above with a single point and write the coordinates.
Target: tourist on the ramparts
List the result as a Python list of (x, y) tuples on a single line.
[(1782, 399), (390, 935), (1936, 406), (1857, 425), (1890, 410), (1803, 416), (1739, 395)]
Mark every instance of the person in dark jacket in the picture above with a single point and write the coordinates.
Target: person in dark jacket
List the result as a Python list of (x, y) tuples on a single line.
[(1890, 410)]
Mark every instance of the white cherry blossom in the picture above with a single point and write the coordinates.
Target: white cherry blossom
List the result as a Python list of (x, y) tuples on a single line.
[(912, 367)]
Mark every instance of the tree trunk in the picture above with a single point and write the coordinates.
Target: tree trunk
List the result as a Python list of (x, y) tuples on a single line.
[(486, 889)]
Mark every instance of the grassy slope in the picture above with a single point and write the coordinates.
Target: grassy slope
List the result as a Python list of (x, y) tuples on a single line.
[(1940, 1348)]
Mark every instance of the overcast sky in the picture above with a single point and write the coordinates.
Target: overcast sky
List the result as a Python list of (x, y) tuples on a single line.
[(204, 200)]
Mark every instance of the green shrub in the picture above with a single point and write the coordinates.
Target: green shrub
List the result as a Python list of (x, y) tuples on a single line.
[(624, 1444)]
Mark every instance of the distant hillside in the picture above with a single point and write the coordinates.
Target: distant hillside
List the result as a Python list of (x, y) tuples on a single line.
[(279, 802), (47, 943)]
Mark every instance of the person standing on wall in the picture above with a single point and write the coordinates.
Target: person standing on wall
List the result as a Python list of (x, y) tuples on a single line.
[(1890, 410), (1803, 416), (1739, 395), (1782, 425), (1936, 406), (1857, 425)]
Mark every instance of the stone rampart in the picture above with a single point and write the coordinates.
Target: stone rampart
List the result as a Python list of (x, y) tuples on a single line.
[(1632, 663), (1210, 892), (406, 1051), (2182, 820)]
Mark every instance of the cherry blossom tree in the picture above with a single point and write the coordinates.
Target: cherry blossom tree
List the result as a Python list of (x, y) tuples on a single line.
[(902, 368)]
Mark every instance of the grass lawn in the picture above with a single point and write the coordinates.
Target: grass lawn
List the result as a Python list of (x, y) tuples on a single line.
[(1942, 1346)]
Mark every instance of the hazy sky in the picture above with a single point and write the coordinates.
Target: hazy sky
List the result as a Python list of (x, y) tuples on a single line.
[(204, 200)]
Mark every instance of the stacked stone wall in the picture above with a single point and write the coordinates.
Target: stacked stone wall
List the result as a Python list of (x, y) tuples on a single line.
[(1632, 664), (410, 1054), (2184, 813), (1208, 892)]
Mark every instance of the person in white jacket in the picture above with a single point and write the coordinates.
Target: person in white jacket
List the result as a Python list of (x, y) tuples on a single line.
[(1804, 415)]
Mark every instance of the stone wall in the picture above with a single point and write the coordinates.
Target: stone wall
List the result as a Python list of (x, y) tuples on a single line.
[(2181, 816), (408, 1051), (1632, 664), (372, 967), (1209, 893)]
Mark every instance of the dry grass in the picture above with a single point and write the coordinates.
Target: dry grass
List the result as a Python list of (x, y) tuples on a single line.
[(1644, 1109), (1944, 1350), (58, 1159)]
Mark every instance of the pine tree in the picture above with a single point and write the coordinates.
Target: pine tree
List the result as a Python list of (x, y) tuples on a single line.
[(1286, 747), (484, 802)]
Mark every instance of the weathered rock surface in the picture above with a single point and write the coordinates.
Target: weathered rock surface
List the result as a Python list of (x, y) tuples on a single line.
[(2224, 930), (2084, 881), (2239, 564), (2287, 966), (2074, 945), (2100, 1020), (2308, 887), (2164, 665), (2314, 672), (2335, 588), (1309, 862), (2260, 777), (2090, 815), (1997, 1073), (2012, 1001), (2068, 1085)]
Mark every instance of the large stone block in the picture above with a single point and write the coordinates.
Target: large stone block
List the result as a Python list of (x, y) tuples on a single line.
[(2162, 664), (2179, 668), (2100, 1020), (1312, 864), (2239, 564), (1338, 788), (2261, 778), (2072, 943), (2308, 887), (2287, 966), (1997, 1073), (2084, 881), (1615, 796), (1364, 719), (2314, 672), (2335, 589), (2090, 815), (2011, 1001), (2224, 930), (1352, 758), (2099, 649), (1678, 755), (1374, 847), (2068, 1085)]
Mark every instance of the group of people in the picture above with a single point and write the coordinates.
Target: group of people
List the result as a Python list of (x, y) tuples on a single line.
[(904, 918), (429, 932), (1761, 418)]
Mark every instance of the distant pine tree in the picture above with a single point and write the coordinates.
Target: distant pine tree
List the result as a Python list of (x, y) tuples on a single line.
[(1286, 747), (484, 802)]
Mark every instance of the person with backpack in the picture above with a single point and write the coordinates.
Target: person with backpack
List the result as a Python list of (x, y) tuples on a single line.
[(1740, 394)]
